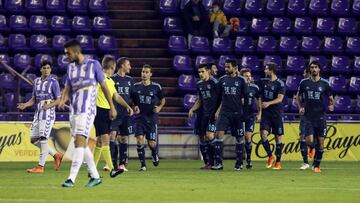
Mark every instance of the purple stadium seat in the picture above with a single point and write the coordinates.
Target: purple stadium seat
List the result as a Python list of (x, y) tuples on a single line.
[(3, 24), (333, 45), (200, 45), (254, 7), (168, 7), (87, 43), (27, 98), (172, 25), (77, 7), (3, 44), (340, 7), (62, 62), (232, 7), (353, 45), (18, 24), (39, 24), (208, 4), (342, 104), (323, 62), (356, 8), (39, 43), (9, 101), (266, 44), (357, 105), (202, 60), (187, 83), (349, 118), (2, 10), (21, 62), (325, 26), (286, 103), (6, 59), (318, 7), (260, 25), (182, 64), (7, 82), (178, 45), (189, 101), (354, 86), (347, 26), (303, 26), (273, 59), (289, 45), (107, 44), (340, 65), (222, 60), (295, 65), (58, 42), (282, 26), (98, 7), (60, 24), (292, 83), (183, 4), (102, 24), (297, 7), (275, 7), (14, 6), (17, 43), (293, 106), (222, 46), (55, 7), (338, 84), (81, 24), (244, 44), (24, 117), (35, 6), (310, 45), (40, 58), (357, 65), (251, 62), (26, 87), (62, 117)]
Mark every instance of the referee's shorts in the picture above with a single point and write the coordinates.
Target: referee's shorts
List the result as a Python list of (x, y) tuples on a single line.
[(102, 121)]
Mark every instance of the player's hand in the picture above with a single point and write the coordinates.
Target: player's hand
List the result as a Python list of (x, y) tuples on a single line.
[(265, 105), (258, 117), (45, 107), (21, 106), (301, 111), (61, 105), (113, 113), (136, 110), (331, 108), (196, 18), (157, 109), (191, 113), (130, 111)]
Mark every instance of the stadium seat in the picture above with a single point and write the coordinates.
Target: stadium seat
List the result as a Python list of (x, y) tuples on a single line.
[(266, 44), (322, 61), (203, 60), (58, 42), (39, 25), (325, 26), (355, 11), (254, 7), (26, 87), (81, 25), (295, 65), (183, 3), (189, 101), (347, 26), (354, 86), (2, 11), (252, 62), (18, 24), (7, 82), (3, 44), (177, 45), (62, 62), (22, 62), (289, 45), (275, 7), (293, 106), (102, 25), (260, 25), (14, 6), (342, 104), (60, 24), (222, 46), (55, 7), (232, 7), (39, 43), (340, 65), (17, 43), (286, 104), (318, 7), (62, 117), (222, 60), (340, 7), (187, 83), (297, 7), (353, 45), (357, 65), (243, 26), (87, 43), (292, 83), (338, 84), (183, 64), (199, 45), (9, 101), (172, 25), (3, 25), (168, 7), (303, 26), (35, 7), (244, 44), (98, 7), (333, 45), (282, 26), (208, 4), (107, 44), (311, 45), (6, 59), (273, 59), (357, 106), (77, 7), (39, 58)]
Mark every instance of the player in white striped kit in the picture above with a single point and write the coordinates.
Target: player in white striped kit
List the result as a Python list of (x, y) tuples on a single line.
[(46, 95), (81, 80)]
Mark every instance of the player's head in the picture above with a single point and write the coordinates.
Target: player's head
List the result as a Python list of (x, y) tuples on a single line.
[(72, 50), (146, 72), (123, 63), (271, 69), (315, 68), (45, 69), (246, 73), (195, 1), (204, 72), (230, 66), (307, 72), (213, 69), (109, 64)]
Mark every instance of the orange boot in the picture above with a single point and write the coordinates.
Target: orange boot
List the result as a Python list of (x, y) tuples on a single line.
[(36, 169)]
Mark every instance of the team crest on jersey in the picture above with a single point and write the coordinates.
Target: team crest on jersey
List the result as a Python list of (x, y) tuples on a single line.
[(272, 88), (151, 93), (129, 83), (224, 83), (208, 86), (307, 88), (139, 92), (320, 89), (236, 84)]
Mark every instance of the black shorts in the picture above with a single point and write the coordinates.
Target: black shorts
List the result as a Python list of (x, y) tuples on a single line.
[(102, 121), (273, 123), (230, 120), (207, 124), (250, 124), (315, 127), (123, 126), (147, 128), (197, 124), (302, 126)]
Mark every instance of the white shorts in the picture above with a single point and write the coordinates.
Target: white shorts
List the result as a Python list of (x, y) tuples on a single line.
[(41, 128), (80, 124)]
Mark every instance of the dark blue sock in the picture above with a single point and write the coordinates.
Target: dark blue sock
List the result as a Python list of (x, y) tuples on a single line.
[(266, 145), (304, 152), (211, 152), (114, 153), (141, 154), (204, 152), (318, 156), (218, 151), (153, 151), (278, 151), (123, 147), (239, 148), (248, 148)]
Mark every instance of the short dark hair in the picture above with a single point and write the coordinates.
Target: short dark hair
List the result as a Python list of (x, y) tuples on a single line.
[(244, 70), (210, 64), (315, 63), (307, 70), (46, 62), (204, 65), (231, 61), (216, 3), (121, 61), (147, 66), (108, 61), (72, 43), (272, 67)]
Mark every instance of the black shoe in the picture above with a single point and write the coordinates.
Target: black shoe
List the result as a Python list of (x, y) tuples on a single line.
[(114, 173), (156, 160), (248, 166)]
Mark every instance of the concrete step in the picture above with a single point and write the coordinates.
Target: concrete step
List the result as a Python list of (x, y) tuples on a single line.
[(136, 24), (138, 33), (144, 52), (155, 62), (172, 109), (142, 43), (133, 14), (132, 5), (173, 121)]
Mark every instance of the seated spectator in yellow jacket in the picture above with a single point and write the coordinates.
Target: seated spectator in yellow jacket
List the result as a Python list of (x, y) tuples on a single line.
[(219, 21)]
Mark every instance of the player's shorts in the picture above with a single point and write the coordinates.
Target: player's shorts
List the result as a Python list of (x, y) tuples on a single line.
[(197, 124), (233, 121), (41, 128), (315, 127), (302, 126), (207, 124), (273, 123), (102, 121), (250, 124), (80, 124), (147, 128), (123, 126)]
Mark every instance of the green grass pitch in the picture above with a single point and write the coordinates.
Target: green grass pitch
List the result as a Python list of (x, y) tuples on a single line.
[(182, 181)]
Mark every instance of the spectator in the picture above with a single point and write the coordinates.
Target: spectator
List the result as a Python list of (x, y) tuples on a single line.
[(219, 22)]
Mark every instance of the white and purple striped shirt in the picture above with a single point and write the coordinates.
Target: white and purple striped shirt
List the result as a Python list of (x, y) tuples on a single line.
[(82, 80), (45, 91)]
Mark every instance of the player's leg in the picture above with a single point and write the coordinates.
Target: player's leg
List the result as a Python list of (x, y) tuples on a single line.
[(210, 137), (249, 129), (237, 131), (140, 142), (98, 146), (320, 131), (105, 140), (221, 125), (126, 129), (264, 132), (278, 130), (152, 138), (114, 132)]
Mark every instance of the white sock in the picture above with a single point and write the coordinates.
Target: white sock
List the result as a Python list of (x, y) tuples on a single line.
[(44, 152), (89, 159), (52, 151), (37, 143), (77, 159)]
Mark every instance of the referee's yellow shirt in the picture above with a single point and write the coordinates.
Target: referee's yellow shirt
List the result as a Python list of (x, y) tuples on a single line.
[(100, 98)]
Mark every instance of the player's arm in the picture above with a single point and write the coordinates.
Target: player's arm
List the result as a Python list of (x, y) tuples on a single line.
[(51, 104), (195, 107), (157, 109), (278, 100), (123, 103), (64, 97), (259, 113), (331, 103), (108, 97), (218, 111), (25, 105), (299, 99)]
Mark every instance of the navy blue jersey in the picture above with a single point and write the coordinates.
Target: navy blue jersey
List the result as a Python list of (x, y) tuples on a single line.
[(269, 90), (314, 94), (123, 86), (208, 93), (146, 98), (232, 91), (250, 104)]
